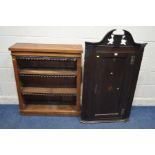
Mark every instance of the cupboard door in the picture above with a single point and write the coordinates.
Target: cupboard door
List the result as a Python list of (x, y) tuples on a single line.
[(108, 84), (111, 70)]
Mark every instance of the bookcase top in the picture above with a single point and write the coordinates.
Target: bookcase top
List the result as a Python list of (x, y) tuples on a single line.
[(55, 48)]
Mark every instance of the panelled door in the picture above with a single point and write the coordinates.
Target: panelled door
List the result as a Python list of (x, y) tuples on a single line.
[(111, 71), (109, 83)]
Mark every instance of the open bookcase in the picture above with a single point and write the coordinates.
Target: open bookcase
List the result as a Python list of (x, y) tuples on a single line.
[(48, 78)]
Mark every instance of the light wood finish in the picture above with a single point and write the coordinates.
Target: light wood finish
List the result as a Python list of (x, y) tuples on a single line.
[(20, 97), (46, 48), (25, 93), (78, 80), (19, 53), (31, 90), (34, 109), (48, 72)]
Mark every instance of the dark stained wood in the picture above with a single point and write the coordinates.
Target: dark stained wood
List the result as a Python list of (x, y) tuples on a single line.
[(108, 85), (110, 77), (48, 78), (57, 48)]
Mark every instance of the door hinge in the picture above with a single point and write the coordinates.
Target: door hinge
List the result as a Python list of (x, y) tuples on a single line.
[(132, 60), (123, 111)]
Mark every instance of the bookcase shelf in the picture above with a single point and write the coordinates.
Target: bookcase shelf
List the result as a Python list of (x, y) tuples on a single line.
[(48, 72), (50, 110), (34, 90), (48, 78)]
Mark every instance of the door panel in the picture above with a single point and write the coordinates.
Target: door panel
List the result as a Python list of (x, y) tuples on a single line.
[(108, 84)]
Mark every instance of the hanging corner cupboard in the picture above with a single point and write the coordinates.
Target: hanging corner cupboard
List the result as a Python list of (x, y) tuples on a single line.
[(48, 78), (111, 69)]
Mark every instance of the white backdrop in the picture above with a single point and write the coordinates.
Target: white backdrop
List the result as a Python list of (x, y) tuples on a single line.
[(145, 91)]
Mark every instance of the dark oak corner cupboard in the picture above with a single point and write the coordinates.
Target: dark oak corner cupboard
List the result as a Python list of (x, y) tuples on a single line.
[(48, 78), (111, 70)]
